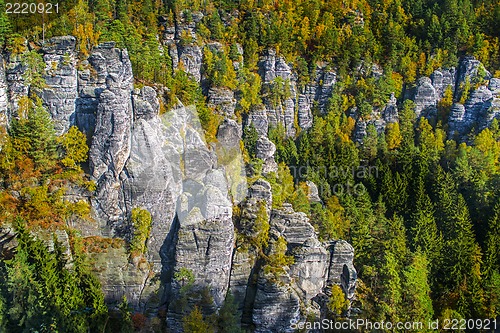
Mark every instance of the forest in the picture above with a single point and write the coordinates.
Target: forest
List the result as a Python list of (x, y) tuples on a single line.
[(425, 226)]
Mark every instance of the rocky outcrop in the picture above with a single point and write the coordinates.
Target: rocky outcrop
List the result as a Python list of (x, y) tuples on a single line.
[(442, 79), (470, 68), (180, 40), (272, 66), (190, 58), (222, 100), (17, 87), (267, 302), (153, 177), (4, 116), (425, 98), (265, 150), (111, 140), (312, 193), (275, 305), (162, 163), (280, 102), (482, 104), (304, 114), (258, 118), (480, 108), (229, 156), (390, 113), (294, 101), (316, 266), (341, 270), (61, 79), (204, 240)]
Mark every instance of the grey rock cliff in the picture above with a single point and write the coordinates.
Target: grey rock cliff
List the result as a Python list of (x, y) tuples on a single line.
[(265, 150), (61, 78), (222, 99), (4, 116), (111, 141), (425, 98), (162, 163), (442, 79)]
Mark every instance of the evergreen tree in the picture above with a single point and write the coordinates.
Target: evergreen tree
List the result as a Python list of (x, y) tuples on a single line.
[(34, 135), (194, 322), (370, 143), (228, 320), (44, 294), (126, 316), (425, 236), (416, 290)]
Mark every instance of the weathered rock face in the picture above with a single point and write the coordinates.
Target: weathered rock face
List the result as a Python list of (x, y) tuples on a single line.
[(265, 150), (16, 85), (204, 240), (275, 305), (271, 66), (275, 71), (222, 99), (341, 270), (190, 56), (267, 304), (305, 118), (61, 78), (470, 68), (482, 104), (443, 79), (258, 118), (111, 141), (480, 108), (162, 163), (4, 116), (180, 40), (390, 113), (295, 101), (153, 178), (310, 256), (315, 268), (313, 193), (425, 98), (146, 104)]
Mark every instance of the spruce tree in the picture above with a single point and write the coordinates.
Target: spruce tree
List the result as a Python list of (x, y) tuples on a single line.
[(425, 236), (416, 291), (228, 320)]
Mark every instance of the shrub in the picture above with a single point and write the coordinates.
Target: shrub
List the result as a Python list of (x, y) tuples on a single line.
[(141, 225)]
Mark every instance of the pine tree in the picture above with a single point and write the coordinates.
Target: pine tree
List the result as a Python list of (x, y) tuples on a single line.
[(391, 289), (194, 322), (370, 143), (126, 316), (416, 291), (425, 236), (461, 260), (492, 244), (34, 135), (228, 320)]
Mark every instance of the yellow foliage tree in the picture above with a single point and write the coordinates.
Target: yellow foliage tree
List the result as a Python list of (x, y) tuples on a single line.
[(393, 136), (337, 302)]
